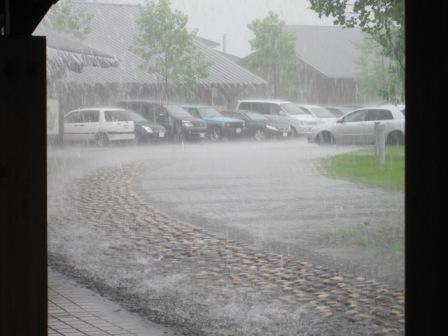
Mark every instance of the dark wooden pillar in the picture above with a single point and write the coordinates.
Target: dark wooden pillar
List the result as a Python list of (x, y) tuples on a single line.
[(23, 208)]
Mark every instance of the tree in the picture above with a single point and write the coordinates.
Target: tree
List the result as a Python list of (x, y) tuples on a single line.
[(274, 48), (383, 20), (166, 46), (63, 18), (378, 75)]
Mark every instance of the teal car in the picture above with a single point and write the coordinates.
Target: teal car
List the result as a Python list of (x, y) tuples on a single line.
[(219, 126)]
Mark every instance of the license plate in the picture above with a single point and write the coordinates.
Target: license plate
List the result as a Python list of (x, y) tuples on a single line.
[(238, 130), (285, 134), (201, 135), (161, 134)]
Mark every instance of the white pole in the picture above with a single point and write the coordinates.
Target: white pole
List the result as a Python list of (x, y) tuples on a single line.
[(376, 138), (381, 143)]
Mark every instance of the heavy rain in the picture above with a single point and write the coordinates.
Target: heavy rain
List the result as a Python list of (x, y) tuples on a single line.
[(228, 167)]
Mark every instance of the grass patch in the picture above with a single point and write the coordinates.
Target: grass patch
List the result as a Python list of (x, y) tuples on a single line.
[(362, 166)]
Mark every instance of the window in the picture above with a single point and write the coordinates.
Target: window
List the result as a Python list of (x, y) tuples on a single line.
[(274, 109), (291, 108), (244, 106), (74, 117), (116, 115), (384, 115), (193, 111), (379, 115), (90, 116), (260, 107), (356, 116)]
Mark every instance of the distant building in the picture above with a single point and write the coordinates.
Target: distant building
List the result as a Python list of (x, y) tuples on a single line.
[(329, 66)]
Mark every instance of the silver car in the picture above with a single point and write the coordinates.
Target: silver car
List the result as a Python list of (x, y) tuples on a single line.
[(358, 127)]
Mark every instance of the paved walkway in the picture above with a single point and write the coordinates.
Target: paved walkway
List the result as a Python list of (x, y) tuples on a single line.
[(195, 279), (73, 310)]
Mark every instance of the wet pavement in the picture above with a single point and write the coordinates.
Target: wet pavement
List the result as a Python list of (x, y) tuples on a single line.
[(77, 311), (187, 275), (274, 196)]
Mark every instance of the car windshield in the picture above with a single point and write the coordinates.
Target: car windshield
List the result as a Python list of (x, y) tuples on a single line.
[(255, 116), (208, 112), (320, 112), (135, 116), (293, 109), (177, 111)]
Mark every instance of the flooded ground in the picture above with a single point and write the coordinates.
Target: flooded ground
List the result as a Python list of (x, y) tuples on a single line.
[(214, 237)]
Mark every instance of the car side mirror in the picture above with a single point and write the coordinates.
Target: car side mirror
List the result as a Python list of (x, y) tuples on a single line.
[(340, 121)]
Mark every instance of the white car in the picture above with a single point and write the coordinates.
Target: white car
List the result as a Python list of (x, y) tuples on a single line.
[(358, 127), (300, 122), (322, 114), (99, 125)]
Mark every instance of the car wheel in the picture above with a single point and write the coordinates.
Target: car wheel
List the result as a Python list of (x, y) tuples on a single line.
[(325, 138), (101, 140), (395, 138), (294, 133), (259, 134), (215, 134)]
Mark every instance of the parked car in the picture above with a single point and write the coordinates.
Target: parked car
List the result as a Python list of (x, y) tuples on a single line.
[(322, 114), (339, 111), (178, 123), (146, 131), (259, 127), (98, 124), (219, 126), (300, 122), (358, 127)]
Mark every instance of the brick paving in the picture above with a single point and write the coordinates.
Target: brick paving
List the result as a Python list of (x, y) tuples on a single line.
[(76, 311), (107, 200)]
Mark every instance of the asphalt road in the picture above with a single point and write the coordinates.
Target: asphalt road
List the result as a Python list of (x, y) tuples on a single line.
[(274, 195)]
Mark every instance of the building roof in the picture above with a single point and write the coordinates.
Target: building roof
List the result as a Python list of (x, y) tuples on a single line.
[(330, 50), (264, 100), (69, 53), (113, 30)]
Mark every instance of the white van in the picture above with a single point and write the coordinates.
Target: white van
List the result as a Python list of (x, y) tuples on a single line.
[(301, 123), (98, 125)]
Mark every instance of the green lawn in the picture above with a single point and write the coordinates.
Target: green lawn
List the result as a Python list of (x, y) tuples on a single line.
[(362, 166)]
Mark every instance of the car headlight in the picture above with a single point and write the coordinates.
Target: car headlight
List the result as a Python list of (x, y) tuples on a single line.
[(272, 128), (147, 129), (187, 123)]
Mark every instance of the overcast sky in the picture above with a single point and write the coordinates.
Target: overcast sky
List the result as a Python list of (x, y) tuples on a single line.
[(213, 18)]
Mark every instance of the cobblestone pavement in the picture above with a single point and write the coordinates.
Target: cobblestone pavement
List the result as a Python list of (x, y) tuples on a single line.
[(125, 242), (76, 311)]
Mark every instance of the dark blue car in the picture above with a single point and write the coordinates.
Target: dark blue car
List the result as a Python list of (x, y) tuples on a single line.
[(219, 126)]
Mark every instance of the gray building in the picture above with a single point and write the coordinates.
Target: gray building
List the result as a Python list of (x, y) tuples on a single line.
[(329, 69), (113, 30)]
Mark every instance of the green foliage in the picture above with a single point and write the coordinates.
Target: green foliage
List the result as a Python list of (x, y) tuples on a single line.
[(379, 74), (274, 48), (384, 21), (63, 18), (167, 47)]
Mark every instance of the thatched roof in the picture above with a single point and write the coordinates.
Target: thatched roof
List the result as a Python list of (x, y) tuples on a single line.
[(68, 54)]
